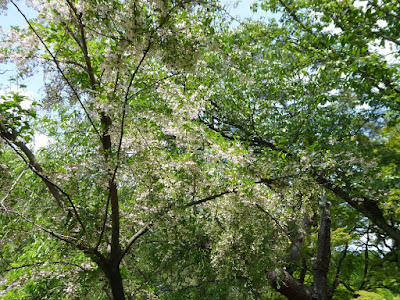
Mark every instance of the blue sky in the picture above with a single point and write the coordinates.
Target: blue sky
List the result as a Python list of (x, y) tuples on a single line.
[(242, 9), (34, 84), (13, 18)]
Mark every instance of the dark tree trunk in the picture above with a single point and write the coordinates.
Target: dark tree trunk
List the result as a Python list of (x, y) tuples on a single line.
[(113, 274), (110, 268), (283, 281), (117, 288), (321, 266), (289, 287)]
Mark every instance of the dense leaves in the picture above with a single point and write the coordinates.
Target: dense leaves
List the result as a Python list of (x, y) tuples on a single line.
[(192, 157)]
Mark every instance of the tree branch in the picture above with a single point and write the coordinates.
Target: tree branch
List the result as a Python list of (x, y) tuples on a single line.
[(37, 169), (146, 227), (285, 284), (367, 207), (196, 202), (323, 258), (135, 237), (43, 263), (57, 63), (61, 237), (30, 161)]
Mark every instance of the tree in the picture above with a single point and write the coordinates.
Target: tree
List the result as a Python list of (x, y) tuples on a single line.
[(315, 102), (190, 158), (117, 162)]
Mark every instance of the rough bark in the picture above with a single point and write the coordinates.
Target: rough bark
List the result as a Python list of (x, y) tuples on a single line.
[(321, 266), (289, 287)]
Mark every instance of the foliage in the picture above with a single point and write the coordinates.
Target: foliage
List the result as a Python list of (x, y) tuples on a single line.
[(189, 158)]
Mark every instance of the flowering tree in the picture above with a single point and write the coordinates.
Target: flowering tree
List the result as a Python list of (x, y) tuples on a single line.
[(122, 151), (188, 158)]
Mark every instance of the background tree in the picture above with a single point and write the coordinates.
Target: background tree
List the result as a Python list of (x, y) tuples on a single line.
[(313, 94)]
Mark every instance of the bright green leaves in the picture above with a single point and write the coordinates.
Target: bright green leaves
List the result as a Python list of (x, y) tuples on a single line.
[(242, 122), (16, 115), (356, 38)]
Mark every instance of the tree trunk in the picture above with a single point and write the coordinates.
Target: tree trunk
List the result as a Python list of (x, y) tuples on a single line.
[(283, 281), (110, 268), (117, 288), (321, 266), (289, 287), (113, 274)]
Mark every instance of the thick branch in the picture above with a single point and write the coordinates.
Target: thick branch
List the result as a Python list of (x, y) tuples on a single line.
[(135, 237), (321, 265), (32, 162), (193, 203), (289, 287)]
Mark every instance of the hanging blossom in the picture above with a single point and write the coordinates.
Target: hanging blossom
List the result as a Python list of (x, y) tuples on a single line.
[(3, 6)]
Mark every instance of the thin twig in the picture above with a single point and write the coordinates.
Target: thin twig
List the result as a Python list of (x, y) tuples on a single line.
[(12, 188), (37, 169), (61, 237), (57, 63), (43, 263)]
